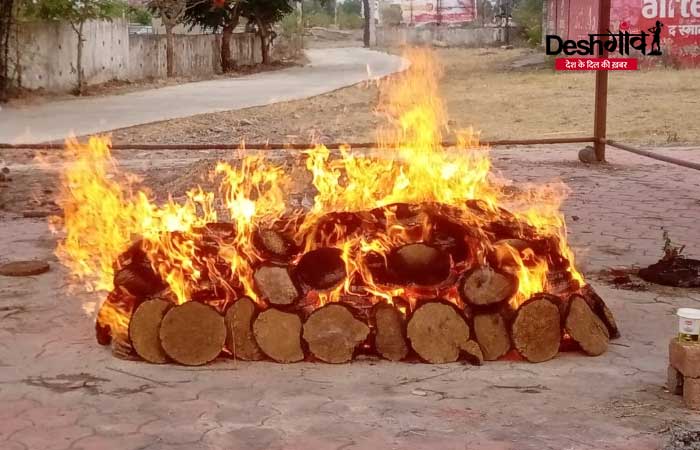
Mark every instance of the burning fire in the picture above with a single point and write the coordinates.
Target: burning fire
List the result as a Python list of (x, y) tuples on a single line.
[(195, 245)]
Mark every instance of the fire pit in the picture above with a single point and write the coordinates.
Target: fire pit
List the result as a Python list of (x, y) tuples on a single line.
[(424, 255)]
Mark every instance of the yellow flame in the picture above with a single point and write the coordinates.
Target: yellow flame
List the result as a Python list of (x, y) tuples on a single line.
[(105, 211)]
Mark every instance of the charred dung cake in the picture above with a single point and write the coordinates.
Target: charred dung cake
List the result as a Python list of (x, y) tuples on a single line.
[(418, 254)]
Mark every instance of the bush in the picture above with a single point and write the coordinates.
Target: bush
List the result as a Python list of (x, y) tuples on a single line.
[(290, 25), (139, 15), (528, 14), (318, 19), (351, 7), (349, 21), (391, 15)]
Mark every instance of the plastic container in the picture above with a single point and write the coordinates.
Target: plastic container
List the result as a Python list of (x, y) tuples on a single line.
[(689, 325)]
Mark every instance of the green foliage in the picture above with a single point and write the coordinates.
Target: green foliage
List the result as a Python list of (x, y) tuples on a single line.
[(349, 21), (319, 13), (74, 11), (528, 14), (266, 11), (139, 15), (290, 25), (351, 7), (391, 15), (317, 19), (210, 15)]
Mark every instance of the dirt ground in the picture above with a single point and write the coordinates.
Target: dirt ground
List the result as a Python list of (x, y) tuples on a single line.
[(483, 89)]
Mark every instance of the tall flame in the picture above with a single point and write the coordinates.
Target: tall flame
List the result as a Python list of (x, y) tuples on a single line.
[(105, 212)]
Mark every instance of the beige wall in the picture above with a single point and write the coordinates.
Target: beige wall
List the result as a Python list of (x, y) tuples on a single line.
[(48, 54)]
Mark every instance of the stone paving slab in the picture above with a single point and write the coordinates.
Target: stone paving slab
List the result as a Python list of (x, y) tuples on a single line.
[(59, 390)]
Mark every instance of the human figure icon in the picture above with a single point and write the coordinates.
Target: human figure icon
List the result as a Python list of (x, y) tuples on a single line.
[(656, 41)]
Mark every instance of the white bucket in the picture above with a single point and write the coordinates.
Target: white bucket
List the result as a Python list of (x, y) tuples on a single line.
[(689, 324)]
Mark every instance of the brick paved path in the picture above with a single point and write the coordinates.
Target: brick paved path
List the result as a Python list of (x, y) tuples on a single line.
[(59, 390)]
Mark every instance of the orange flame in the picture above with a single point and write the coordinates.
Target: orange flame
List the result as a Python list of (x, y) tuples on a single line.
[(105, 212)]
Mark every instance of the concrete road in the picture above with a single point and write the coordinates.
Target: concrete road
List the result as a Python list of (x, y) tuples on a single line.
[(329, 69)]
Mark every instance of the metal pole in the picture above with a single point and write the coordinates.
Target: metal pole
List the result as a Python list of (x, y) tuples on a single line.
[(296, 146), (652, 155), (601, 86)]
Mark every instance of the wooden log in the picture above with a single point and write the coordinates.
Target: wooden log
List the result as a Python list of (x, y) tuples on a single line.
[(503, 254), (389, 332), (192, 333), (322, 268), (585, 327), (536, 329), (239, 330), (133, 273), (278, 334), (420, 264), (438, 333), (484, 286), (596, 303), (139, 280), (144, 330), (273, 244), (450, 237), (473, 353), (275, 284), (333, 333), (492, 335), (112, 319)]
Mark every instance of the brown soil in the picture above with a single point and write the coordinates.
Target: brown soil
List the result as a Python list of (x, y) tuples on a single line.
[(481, 89)]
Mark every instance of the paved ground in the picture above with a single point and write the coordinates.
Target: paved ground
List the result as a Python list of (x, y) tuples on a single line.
[(60, 390), (328, 69)]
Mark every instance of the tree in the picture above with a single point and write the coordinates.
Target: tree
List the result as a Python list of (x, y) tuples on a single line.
[(528, 14), (7, 11), (264, 13), (76, 13), (215, 15), (170, 13)]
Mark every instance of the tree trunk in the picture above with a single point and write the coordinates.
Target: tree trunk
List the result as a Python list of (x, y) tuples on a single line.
[(365, 34), (239, 326), (79, 63), (227, 63), (144, 329), (438, 332), (492, 335), (6, 20), (585, 327), (278, 334), (192, 333), (169, 50), (536, 330), (484, 286), (264, 44), (390, 332), (333, 334)]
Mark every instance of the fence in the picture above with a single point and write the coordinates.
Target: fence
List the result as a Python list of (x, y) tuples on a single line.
[(45, 55)]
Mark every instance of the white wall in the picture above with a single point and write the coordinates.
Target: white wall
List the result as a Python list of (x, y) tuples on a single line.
[(48, 53)]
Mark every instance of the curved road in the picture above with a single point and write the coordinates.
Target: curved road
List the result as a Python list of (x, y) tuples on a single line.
[(329, 69)]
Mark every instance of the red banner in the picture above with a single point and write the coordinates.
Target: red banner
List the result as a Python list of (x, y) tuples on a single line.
[(596, 64), (680, 19)]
